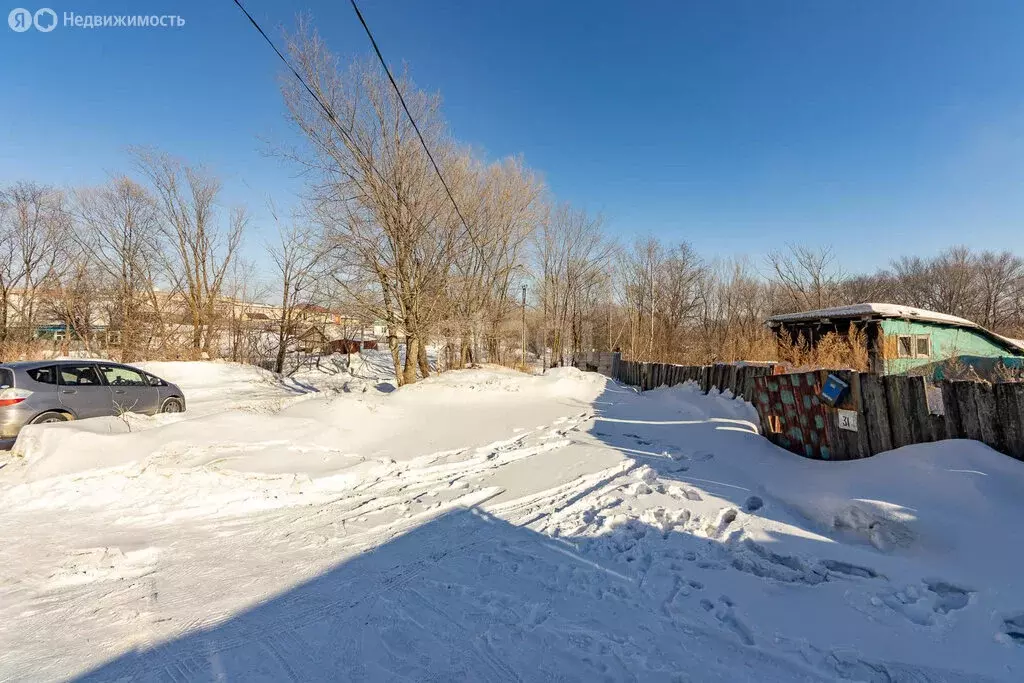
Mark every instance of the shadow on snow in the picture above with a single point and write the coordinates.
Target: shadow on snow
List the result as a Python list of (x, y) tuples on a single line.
[(468, 596)]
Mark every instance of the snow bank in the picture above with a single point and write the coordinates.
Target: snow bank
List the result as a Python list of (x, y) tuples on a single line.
[(498, 524), (250, 421), (196, 375)]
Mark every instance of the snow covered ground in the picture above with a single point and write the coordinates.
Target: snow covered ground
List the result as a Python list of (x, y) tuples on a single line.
[(486, 525)]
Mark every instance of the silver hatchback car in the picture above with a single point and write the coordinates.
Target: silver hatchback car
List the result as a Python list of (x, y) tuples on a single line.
[(36, 392)]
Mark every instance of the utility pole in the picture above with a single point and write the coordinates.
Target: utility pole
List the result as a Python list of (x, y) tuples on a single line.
[(524, 326)]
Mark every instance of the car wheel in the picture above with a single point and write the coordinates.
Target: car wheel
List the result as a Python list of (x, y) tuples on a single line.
[(171, 405), (49, 418)]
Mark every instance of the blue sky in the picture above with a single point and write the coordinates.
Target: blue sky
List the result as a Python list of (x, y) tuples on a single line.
[(881, 128)]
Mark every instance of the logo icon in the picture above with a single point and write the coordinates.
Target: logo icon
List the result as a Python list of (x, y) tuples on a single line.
[(20, 19), (45, 20)]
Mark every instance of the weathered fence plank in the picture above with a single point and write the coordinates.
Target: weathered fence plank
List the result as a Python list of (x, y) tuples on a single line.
[(876, 412), (908, 419), (917, 409), (985, 399), (938, 425), (951, 411), (860, 446), (1010, 415), (966, 396), (895, 391)]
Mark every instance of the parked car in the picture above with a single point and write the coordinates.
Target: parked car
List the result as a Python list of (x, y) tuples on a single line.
[(40, 392)]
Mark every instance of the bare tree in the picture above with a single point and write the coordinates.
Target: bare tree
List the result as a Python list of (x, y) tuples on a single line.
[(572, 254), (203, 247), (809, 277), (34, 219), (298, 257), (72, 299), (999, 282), (120, 235), (392, 230)]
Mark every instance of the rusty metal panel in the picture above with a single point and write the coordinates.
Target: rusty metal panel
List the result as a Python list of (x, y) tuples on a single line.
[(793, 416)]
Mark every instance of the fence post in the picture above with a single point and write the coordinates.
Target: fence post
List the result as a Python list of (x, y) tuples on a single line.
[(1009, 398), (900, 418), (917, 403), (991, 434), (968, 405), (876, 412), (951, 411)]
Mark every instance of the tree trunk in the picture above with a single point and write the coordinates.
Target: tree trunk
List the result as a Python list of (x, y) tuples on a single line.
[(424, 363), (281, 351), (412, 349), (395, 357)]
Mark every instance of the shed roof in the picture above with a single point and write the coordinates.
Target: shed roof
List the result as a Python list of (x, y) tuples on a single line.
[(879, 311), (870, 310), (1019, 343)]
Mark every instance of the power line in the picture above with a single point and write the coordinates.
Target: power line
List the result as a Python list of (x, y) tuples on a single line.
[(345, 134), (327, 110), (401, 99)]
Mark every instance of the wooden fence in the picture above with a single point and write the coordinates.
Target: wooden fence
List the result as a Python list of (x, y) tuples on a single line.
[(736, 377), (877, 413), (882, 413)]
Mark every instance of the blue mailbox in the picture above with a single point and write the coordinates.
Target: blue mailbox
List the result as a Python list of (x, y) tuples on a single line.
[(833, 391)]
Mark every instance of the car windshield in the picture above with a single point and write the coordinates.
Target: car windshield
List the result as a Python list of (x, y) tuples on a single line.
[(6, 378)]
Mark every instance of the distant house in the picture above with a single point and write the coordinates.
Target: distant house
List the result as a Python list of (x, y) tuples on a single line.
[(901, 338), (350, 345)]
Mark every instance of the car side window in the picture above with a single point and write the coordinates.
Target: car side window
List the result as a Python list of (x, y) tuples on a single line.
[(155, 381), (78, 375), (47, 375), (118, 376)]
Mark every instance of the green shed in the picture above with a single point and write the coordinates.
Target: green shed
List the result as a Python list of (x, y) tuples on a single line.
[(901, 339)]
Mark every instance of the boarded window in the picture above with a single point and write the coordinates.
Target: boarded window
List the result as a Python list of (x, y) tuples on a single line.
[(924, 346), (905, 346)]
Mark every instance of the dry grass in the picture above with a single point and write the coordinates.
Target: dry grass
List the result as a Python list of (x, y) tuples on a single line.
[(758, 344), (833, 351), (12, 350), (1003, 373)]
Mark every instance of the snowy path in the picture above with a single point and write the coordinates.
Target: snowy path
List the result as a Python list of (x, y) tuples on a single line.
[(487, 526)]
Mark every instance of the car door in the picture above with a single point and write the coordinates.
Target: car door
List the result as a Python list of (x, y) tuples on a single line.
[(82, 391), (131, 391)]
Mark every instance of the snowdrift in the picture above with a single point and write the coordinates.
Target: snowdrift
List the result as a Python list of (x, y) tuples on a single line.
[(501, 524)]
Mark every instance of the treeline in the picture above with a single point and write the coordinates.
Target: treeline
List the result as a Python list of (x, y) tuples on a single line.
[(672, 305), (146, 258), (380, 237)]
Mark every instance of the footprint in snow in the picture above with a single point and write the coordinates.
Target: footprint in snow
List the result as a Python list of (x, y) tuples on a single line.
[(1013, 629), (725, 518), (936, 598), (726, 615)]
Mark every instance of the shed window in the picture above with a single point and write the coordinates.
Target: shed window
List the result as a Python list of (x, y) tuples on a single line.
[(923, 344), (905, 346), (913, 346)]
